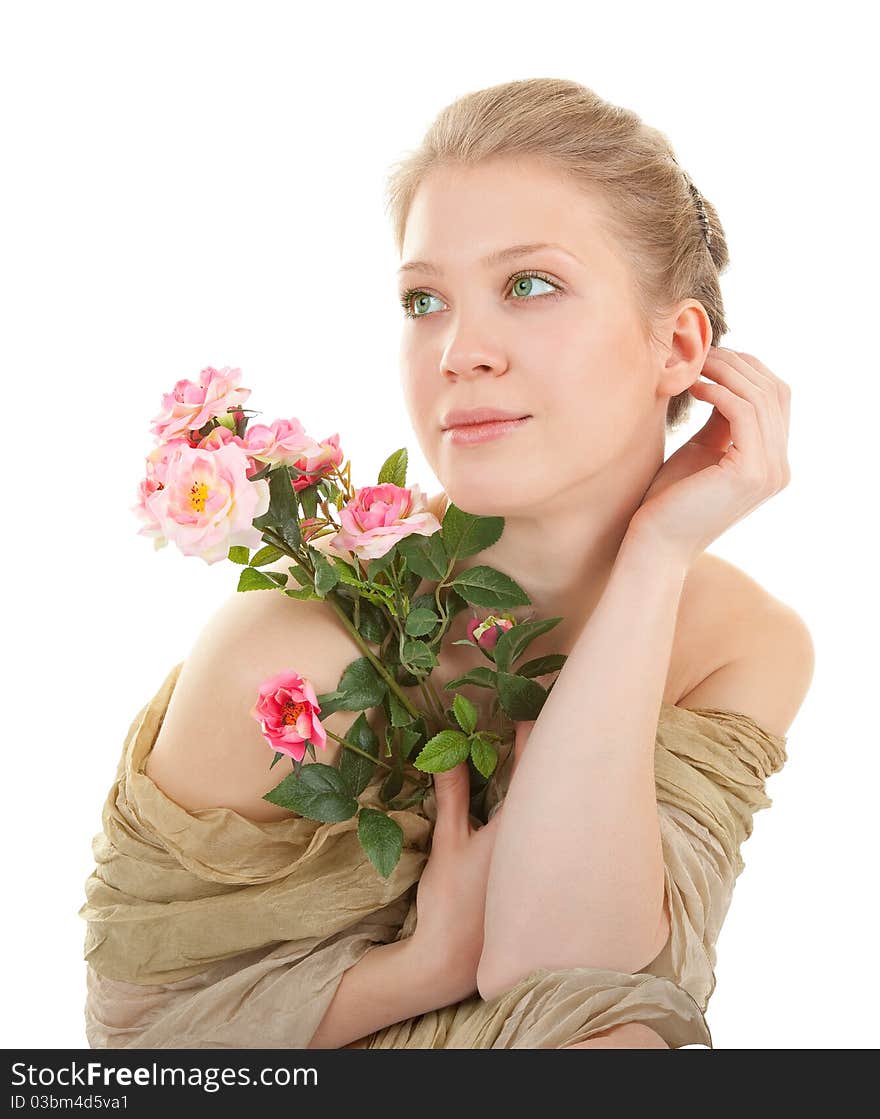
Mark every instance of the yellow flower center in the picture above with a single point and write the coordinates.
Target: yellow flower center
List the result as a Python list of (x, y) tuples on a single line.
[(198, 495)]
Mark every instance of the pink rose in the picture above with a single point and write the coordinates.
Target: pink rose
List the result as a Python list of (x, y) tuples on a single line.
[(221, 435), (206, 503), (156, 469), (378, 516), (287, 711), (486, 632), (281, 442), (329, 455), (190, 404)]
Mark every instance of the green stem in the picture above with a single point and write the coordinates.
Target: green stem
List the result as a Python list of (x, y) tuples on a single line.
[(350, 746), (373, 659)]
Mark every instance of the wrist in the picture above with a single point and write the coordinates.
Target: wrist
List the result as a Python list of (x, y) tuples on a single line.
[(443, 981), (642, 543)]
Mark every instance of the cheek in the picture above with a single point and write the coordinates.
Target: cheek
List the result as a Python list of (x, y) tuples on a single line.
[(591, 411)]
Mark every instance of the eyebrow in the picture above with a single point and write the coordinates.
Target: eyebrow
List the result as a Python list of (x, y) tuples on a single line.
[(497, 257)]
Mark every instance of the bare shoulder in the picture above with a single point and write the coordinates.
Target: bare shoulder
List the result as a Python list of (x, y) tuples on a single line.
[(756, 652), (209, 751)]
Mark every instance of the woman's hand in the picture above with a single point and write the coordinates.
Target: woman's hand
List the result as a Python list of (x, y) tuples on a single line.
[(733, 464), (451, 897)]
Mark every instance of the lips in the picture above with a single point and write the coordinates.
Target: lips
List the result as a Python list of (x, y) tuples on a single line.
[(461, 417)]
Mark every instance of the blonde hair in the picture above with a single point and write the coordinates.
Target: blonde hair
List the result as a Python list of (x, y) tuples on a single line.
[(603, 148)]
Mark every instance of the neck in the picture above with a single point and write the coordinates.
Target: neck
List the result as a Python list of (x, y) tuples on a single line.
[(562, 553)]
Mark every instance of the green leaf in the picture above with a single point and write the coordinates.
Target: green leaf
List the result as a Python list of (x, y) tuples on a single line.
[(305, 593), (279, 579), (381, 838), (381, 563), (308, 497), (282, 514), (419, 622), (394, 469), (540, 666), (267, 554), (444, 751), (391, 786), (328, 702), (374, 624), (521, 699), (253, 580), (465, 713), (399, 716), (416, 654), (484, 754), (278, 756), (484, 586), (482, 676), (465, 534), (425, 555), (361, 686), (326, 575), (513, 643), (406, 802), (409, 737), (238, 554), (319, 793), (356, 770)]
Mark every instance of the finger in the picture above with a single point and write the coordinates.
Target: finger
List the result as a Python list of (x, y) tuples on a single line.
[(452, 794), (742, 418), (747, 381), (777, 404), (735, 374), (783, 390)]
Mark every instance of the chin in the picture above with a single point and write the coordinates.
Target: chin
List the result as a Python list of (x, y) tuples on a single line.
[(485, 494)]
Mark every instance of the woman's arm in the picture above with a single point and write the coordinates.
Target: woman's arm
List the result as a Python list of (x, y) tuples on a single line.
[(390, 983), (577, 876)]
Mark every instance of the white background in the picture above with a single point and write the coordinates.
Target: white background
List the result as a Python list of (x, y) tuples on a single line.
[(191, 184)]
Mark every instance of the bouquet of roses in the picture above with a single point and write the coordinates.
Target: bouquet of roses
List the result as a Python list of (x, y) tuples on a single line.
[(221, 488)]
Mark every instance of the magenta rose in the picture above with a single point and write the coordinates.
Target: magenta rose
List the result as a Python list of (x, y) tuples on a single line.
[(287, 710), (485, 633), (378, 516)]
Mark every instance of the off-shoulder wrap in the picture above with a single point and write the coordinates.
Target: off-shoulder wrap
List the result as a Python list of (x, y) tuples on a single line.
[(207, 930)]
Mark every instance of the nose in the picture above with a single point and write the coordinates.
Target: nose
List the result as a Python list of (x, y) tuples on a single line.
[(466, 356)]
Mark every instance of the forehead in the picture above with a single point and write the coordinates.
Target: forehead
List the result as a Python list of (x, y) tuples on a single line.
[(461, 213)]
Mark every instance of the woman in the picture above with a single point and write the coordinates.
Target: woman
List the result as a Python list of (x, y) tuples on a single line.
[(567, 274)]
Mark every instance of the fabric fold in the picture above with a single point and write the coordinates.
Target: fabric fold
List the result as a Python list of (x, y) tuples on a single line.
[(209, 930)]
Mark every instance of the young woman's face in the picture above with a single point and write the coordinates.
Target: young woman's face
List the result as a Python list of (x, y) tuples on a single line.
[(566, 348)]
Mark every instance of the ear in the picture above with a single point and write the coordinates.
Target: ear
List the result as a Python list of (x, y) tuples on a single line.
[(689, 339)]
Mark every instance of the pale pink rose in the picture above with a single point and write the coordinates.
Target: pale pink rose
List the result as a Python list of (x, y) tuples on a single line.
[(378, 516), (486, 632), (190, 404), (156, 468), (287, 711), (281, 442), (221, 435), (328, 456), (207, 503)]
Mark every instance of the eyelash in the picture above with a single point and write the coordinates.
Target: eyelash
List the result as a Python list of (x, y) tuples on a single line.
[(407, 295)]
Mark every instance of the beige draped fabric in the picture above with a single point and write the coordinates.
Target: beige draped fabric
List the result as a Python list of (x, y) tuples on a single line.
[(207, 930)]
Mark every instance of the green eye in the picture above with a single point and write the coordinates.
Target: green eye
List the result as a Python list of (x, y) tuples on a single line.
[(416, 302), (525, 284)]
